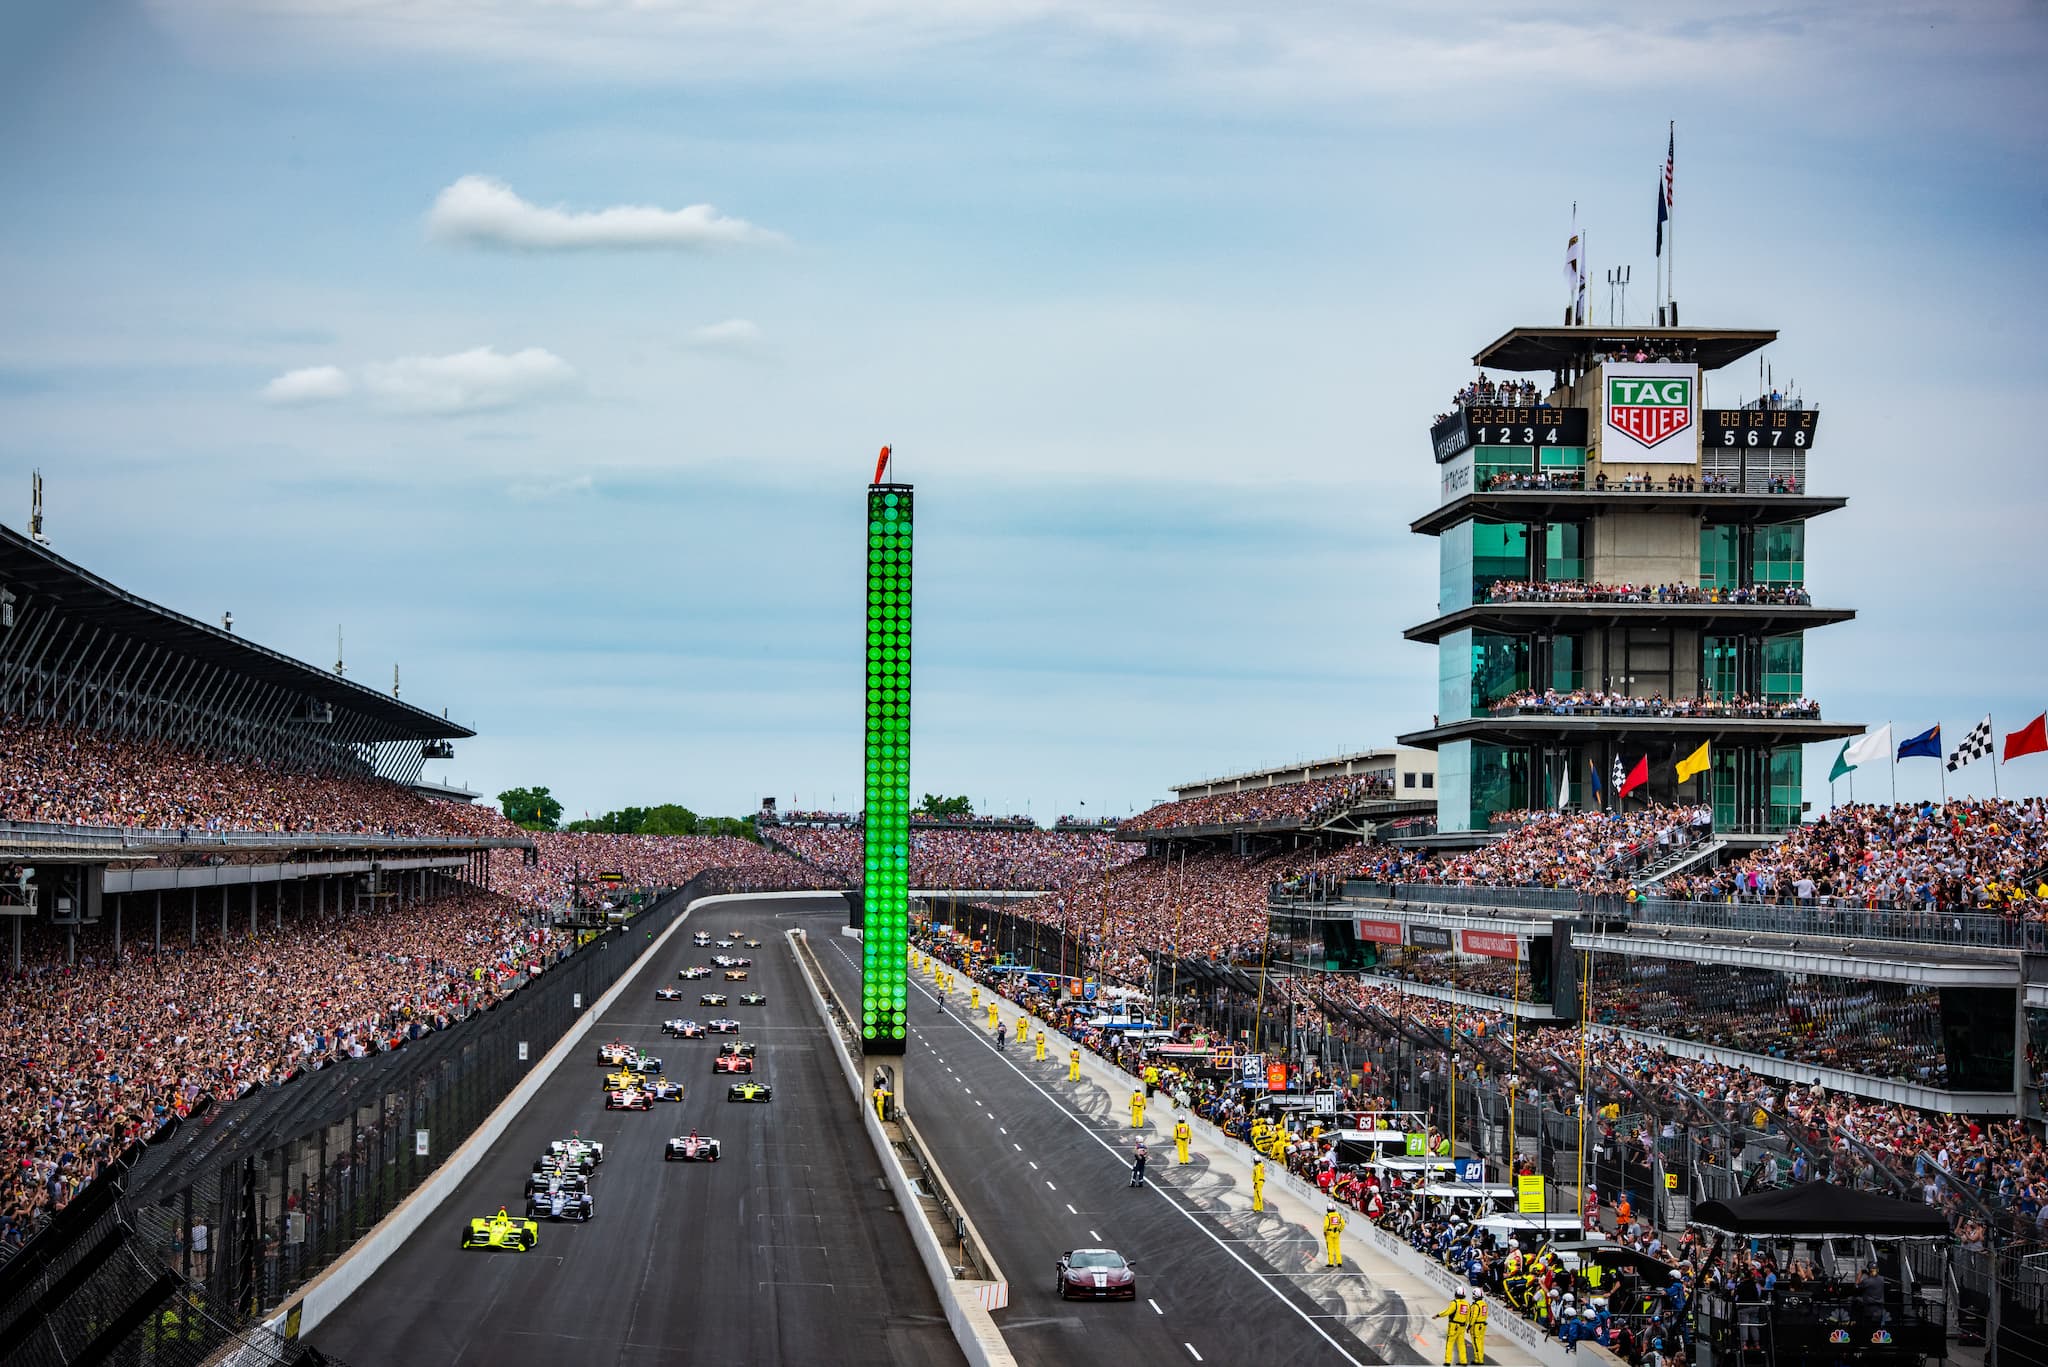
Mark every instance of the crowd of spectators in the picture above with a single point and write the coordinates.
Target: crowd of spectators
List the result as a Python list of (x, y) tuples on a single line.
[(1488, 393), (807, 818), (961, 859), (1536, 479), (1579, 591), (103, 1054), (1297, 803), (1593, 702), (61, 774)]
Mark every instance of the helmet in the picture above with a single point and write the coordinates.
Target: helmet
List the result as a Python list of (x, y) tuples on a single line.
[(1473, 1293)]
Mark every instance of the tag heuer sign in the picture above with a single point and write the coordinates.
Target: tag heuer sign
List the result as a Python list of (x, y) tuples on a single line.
[(1648, 405)]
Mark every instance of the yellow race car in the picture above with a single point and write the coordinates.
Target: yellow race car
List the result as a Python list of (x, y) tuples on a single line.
[(735, 975), (502, 1230), (621, 1080)]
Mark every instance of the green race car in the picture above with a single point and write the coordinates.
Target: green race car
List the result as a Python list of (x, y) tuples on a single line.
[(502, 1230), (748, 1091)]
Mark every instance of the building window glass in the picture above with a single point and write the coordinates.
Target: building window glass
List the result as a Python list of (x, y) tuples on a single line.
[(1500, 551), (1787, 786), (1721, 665), (1454, 576), (1454, 788), (1500, 666), (1564, 554), (1429, 780), (1784, 667), (1780, 555), (1720, 557), (1454, 684), (1566, 673), (1563, 458), (1500, 782), (1491, 461)]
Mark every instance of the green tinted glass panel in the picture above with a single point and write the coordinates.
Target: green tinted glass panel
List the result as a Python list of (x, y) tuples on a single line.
[(1781, 555), (1720, 556), (1500, 551), (886, 852)]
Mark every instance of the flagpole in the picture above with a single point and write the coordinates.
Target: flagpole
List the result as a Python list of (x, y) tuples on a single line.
[(1995, 760), (1671, 230), (1889, 733)]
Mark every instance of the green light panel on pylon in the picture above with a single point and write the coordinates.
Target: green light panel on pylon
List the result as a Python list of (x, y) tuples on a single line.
[(886, 843)]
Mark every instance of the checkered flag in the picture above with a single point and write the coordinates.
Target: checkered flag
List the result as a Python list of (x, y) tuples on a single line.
[(1975, 746)]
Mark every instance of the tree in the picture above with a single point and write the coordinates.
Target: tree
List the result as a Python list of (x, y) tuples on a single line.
[(669, 819), (535, 809), (936, 806)]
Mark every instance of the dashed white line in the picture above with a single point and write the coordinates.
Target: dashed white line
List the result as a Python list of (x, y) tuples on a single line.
[(1155, 1306), (1191, 1351), (1034, 1166), (1092, 1234), (1049, 1186), (1004, 1128), (1071, 1210), (1015, 1145)]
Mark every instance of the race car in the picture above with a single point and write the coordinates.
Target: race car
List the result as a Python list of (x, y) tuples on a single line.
[(502, 1230), (702, 937), (722, 1026), (725, 944), (644, 1062), (748, 1091), (668, 994), (628, 1099), (683, 1029), (584, 1153), (613, 1053), (693, 972), (554, 1172), (751, 943), (712, 999), (738, 1046), (753, 999), (735, 975), (690, 1148), (1101, 1274), (661, 1089), (560, 1203), (625, 1077), (724, 960), (741, 962), (732, 1063)]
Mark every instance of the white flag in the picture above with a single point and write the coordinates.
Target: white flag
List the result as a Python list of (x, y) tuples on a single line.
[(1575, 272), (1564, 786), (1872, 747)]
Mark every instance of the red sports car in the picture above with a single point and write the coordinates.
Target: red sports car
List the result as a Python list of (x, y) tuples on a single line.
[(1101, 1274), (732, 1063)]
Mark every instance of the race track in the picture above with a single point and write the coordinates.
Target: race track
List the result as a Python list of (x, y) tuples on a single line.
[(788, 1250)]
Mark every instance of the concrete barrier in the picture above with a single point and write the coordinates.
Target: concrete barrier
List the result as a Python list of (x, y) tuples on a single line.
[(318, 1298), (973, 1327)]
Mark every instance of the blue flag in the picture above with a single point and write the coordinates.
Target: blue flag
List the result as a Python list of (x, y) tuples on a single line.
[(1927, 743), (1595, 768)]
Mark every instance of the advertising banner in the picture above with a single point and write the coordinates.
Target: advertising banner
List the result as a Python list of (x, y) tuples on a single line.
[(1651, 414), (1379, 932), (1491, 944), (1429, 937)]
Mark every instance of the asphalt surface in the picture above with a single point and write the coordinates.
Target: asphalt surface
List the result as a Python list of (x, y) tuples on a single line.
[(787, 1250), (1043, 1166)]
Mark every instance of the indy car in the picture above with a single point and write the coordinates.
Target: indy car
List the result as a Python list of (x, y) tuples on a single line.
[(690, 1148), (702, 937), (712, 999), (748, 1091), (644, 1062), (751, 943), (753, 999), (683, 1029), (725, 944), (584, 1153), (693, 972), (724, 960), (732, 1063), (722, 1026), (555, 1172), (560, 1203), (628, 1099), (668, 994), (661, 1089), (738, 1046), (625, 1077), (502, 1230), (735, 975), (614, 1053)]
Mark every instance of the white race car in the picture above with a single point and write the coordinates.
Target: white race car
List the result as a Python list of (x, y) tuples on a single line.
[(722, 1026), (683, 1029), (690, 1148), (583, 1153)]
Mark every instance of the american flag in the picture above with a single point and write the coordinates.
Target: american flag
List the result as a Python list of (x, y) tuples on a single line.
[(1670, 162)]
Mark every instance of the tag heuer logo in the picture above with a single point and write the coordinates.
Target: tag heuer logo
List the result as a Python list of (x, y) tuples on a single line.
[(1649, 408)]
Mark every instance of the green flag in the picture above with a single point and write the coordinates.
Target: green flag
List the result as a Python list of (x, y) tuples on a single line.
[(1842, 765)]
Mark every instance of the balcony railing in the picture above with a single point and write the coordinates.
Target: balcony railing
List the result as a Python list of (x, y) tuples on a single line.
[(1596, 705), (117, 839)]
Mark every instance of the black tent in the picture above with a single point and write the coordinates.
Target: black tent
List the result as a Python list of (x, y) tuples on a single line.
[(1818, 1210)]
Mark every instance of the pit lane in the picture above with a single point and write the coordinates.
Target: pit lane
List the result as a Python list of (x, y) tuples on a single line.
[(786, 1250)]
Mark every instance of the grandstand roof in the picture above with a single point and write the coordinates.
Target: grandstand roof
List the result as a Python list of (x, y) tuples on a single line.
[(1556, 348), (1336, 766), (28, 570)]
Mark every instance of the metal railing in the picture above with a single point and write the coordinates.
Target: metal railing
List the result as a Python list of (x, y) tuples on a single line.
[(45, 834)]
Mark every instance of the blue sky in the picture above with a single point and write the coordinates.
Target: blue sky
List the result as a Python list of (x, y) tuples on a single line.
[(1156, 302)]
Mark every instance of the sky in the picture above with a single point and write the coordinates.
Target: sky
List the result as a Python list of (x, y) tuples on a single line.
[(543, 348)]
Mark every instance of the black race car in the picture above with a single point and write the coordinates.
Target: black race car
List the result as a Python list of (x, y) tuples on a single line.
[(554, 1173), (701, 938), (1100, 1274), (560, 1203)]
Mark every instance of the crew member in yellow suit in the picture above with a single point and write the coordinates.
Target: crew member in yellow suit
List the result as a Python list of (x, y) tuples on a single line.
[(1333, 1231), (1038, 1046), (975, 1002), (1475, 1307), (1151, 1078), (1460, 1315), (1181, 1135), (1073, 1065), (1137, 1109), (1258, 1184), (991, 1015)]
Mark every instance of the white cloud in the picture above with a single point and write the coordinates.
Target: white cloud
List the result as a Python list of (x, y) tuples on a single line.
[(311, 384), (473, 381), (484, 212), (541, 490), (734, 334)]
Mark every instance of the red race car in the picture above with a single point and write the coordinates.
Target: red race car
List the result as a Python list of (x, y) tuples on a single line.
[(732, 1063)]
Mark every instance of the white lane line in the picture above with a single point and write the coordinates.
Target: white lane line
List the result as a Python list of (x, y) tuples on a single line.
[(1071, 1210), (1018, 1147), (1236, 1257), (1191, 1350), (968, 1090), (1092, 1234), (1034, 1166), (1049, 1186), (1155, 1306), (1003, 1128)]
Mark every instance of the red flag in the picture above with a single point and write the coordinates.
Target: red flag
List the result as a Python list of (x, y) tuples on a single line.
[(2030, 739), (1640, 775), (881, 464)]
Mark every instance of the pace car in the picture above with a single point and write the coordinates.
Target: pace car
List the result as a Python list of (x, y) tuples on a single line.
[(584, 1153), (738, 1046), (683, 1029), (560, 1203), (1101, 1274), (613, 1053), (722, 1026), (662, 1089), (753, 999), (712, 999), (625, 1077), (668, 994), (628, 1099), (735, 975), (748, 1091), (502, 1230), (732, 1063), (690, 1148), (693, 972)]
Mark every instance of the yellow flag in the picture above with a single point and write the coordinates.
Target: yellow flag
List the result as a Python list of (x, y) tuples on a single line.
[(1695, 763)]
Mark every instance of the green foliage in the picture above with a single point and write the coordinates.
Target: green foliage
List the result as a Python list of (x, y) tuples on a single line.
[(669, 818), (934, 805), (535, 809)]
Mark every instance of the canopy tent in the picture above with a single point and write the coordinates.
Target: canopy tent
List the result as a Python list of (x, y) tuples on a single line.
[(1819, 1210)]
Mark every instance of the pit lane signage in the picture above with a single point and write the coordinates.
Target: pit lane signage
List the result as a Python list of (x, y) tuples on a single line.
[(1651, 414), (1429, 937), (1379, 932)]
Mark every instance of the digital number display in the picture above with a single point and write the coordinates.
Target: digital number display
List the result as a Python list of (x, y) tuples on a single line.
[(885, 848), (1761, 429), (1526, 426)]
